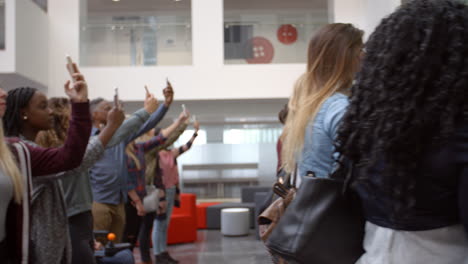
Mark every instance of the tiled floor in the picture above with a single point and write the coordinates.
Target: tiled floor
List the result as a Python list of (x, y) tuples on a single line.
[(213, 248)]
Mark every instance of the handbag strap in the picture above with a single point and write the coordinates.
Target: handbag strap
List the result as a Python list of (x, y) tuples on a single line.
[(349, 176), (294, 177), (290, 178), (25, 167)]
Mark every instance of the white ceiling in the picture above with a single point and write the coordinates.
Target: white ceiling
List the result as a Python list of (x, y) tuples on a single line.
[(168, 5), (132, 6)]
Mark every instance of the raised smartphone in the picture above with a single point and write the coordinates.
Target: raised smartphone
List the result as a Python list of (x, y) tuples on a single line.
[(70, 67), (184, 110), (116, 97)]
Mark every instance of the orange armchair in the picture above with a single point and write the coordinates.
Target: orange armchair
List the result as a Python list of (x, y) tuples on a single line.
[(183, 225), (201, 213)]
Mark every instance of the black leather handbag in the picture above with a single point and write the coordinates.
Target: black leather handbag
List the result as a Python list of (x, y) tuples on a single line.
[(324, 224)]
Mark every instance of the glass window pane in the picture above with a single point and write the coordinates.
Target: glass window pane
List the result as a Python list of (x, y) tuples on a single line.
[(2, 24), (42, 4), (187, 135), (136, 33), (271, 31)]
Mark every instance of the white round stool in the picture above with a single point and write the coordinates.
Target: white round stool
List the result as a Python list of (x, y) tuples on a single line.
[(235, 221)]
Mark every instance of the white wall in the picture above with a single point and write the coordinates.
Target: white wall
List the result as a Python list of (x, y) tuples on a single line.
[(208, 77), (365, 14), (7, 56), (63, 39), (32, 41)]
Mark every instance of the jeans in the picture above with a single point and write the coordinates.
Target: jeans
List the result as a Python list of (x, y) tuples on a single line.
[(144, 236), (132, 224), (4, 254), (82, 238), (122, 257), (160, 226)]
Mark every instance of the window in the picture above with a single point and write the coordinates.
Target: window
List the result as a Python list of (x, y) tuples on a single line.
[(136, 33), (251, 136), (42, 4), (271, 31), (185, 137), (2, 25)]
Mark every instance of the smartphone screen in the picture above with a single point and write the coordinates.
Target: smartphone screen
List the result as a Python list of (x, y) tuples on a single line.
[(184, 109), (70, 67), (116, 97)]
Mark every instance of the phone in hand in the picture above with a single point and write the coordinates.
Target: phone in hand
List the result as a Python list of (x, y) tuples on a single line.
[(70, 67), (116, 97), (184, 110)]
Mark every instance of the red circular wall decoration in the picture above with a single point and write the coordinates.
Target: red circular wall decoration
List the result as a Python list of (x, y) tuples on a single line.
[(287, 34), (259, 50)]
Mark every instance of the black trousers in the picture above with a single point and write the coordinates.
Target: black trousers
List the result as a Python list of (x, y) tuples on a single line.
[(4, 256), (132, 224), (82, 237)]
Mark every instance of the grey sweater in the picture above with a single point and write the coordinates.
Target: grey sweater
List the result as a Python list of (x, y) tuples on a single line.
[(49, 238), (76, 183)]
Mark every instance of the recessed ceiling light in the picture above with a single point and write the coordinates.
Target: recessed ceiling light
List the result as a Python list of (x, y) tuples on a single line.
[(177, 0), (115, 0)]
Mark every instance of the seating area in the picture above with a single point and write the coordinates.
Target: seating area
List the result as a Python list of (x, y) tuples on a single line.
[(208, 215), (183, 225)]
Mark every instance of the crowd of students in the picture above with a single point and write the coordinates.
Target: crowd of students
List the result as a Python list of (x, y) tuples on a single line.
[(89, 172), (395, 108)]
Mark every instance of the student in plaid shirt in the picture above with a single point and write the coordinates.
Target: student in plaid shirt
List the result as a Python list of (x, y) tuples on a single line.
[(135, 160)]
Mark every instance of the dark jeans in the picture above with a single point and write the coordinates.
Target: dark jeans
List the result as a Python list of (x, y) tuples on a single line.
[(132, 224), (4, 256), (144, 236), (122, 257), (81, 234), (138, 227)]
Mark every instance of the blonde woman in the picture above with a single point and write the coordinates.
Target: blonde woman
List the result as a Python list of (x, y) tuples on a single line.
[(319, 99)]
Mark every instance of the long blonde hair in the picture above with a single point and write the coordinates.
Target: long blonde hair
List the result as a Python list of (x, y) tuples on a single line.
[(333, 59), (130, 151), (10, 168)]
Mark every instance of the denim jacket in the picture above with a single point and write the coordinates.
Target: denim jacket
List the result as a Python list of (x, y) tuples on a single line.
[(318, 150)]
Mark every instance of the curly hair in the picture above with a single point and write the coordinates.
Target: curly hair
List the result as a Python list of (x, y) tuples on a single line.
[(56, 136), (409, 94)]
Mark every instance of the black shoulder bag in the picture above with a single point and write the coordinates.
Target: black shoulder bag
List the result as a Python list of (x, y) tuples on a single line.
[(324, 224)]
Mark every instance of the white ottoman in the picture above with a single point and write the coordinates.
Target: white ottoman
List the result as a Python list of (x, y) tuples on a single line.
[(235, 221)]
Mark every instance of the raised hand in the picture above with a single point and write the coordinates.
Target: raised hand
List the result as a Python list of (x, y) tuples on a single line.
[(78, 91), (168, 93), (151, 103), (183, 116), (196, 125), (115, 117)]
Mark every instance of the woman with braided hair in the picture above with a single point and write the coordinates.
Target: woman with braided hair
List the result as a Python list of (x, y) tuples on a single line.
[(16, 193), (406, 134)]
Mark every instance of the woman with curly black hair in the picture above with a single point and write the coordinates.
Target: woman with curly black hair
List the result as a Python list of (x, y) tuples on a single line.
[(406, 132)]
